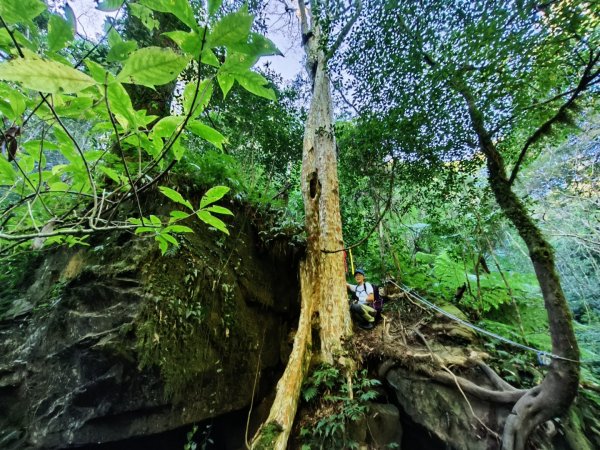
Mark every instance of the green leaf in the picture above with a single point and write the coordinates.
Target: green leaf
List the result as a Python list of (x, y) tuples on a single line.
[(109, 5), (8, 176), (212, 195), (179, 8), (206, 132), (121, 106), (258, 45), (59, 33), (191, 42), (140, 230), (146, 15), (178, 215), (152, 66), (12, 102), (167, 237), (226, 81), (18, 11), (255, 83), (155, 220), (121, 50), (74, 107), (162, 244), (97, 72), (178, 229), (232, 29), (175, 196), (45, 76), (211, 220), (166, 126), (219, 210), (213, 6), (205, 91)]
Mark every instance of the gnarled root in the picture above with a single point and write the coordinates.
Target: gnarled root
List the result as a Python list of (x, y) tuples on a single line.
[(542, 403)]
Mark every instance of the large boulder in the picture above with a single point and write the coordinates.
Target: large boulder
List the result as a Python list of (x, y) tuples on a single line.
[(113, 341)]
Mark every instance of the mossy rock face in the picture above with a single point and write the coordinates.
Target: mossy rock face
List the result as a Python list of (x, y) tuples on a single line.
[(115, 340)]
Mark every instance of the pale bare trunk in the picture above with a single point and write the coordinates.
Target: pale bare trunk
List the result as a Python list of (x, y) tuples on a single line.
[(323, 221), (324, 301)]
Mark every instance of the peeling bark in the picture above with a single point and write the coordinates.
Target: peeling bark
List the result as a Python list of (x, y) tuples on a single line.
[(324, 307)]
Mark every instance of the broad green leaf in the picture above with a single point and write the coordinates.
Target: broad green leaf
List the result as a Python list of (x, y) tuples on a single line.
[(152, 66), (178, 149), (257, 45), (219, 210), (45, 76), (166, 126), (211, 220), (113, 37), (12, 102), (178, 215), (109, 5), (162, 244), (8, 176), (97, 72), (206, 132), (155, 220), (237, 63), (74, 107), (226, 81), (191, 42), (59, 33), (212, 195), (178, 229), (17, 11), (34, 146), (58, 186), (213, 6), (170, 239), (23, 41), (175, 196), (121, 106), (140, 230), (146, 15), (255, 83), (205, 91), (179, 8), (232, 29), (121, 50)]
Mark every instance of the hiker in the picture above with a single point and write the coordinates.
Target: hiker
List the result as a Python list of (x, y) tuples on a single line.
[(362, 308)]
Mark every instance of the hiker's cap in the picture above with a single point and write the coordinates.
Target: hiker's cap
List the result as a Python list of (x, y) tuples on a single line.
[(361, 271)]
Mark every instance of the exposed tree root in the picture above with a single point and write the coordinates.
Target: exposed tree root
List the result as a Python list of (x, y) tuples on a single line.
[(531, 407), (274, 433)]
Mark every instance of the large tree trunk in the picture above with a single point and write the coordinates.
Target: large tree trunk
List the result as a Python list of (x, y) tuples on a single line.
[(324, 312), (558, 389)]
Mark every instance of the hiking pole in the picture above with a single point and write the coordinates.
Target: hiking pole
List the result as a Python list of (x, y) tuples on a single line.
[(351, 261)]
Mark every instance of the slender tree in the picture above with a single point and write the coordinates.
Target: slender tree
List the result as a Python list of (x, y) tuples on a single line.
[(489, 79)]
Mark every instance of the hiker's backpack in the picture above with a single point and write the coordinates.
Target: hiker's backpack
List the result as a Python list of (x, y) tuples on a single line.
[(377, 300)]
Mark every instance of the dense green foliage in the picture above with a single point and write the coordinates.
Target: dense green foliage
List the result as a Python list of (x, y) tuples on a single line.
[(83, 132)]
